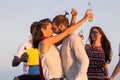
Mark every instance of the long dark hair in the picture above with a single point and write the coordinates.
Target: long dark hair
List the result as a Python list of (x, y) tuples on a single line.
[(37, 36), (33, 27), (104, 42)]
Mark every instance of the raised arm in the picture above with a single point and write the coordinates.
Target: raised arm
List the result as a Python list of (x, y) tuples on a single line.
[(74, 15), (54, 39), (73, 21), (71, 29), (79, 23)]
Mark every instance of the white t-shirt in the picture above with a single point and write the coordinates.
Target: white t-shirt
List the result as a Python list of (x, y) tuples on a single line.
[(22, 49)]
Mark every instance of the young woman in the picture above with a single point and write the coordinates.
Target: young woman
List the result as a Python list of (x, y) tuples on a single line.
[(99, 53)]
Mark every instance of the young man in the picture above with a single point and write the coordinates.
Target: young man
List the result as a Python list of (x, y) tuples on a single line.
[(117, 68), (74, 58), (22, 56)]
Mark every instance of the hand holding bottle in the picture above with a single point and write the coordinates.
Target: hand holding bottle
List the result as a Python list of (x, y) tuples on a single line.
[(90, 19)]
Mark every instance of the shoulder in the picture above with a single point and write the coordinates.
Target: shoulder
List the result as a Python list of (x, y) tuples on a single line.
[(26, 44), (74, 36), (87, 46)]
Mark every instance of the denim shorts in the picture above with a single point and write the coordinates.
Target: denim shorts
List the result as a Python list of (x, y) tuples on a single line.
[(34, 69)]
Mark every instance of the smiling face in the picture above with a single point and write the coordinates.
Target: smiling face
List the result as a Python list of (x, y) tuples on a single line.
[(95, 34)]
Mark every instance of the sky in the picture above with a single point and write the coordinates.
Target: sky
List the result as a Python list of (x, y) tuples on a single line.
[(16, 16)]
